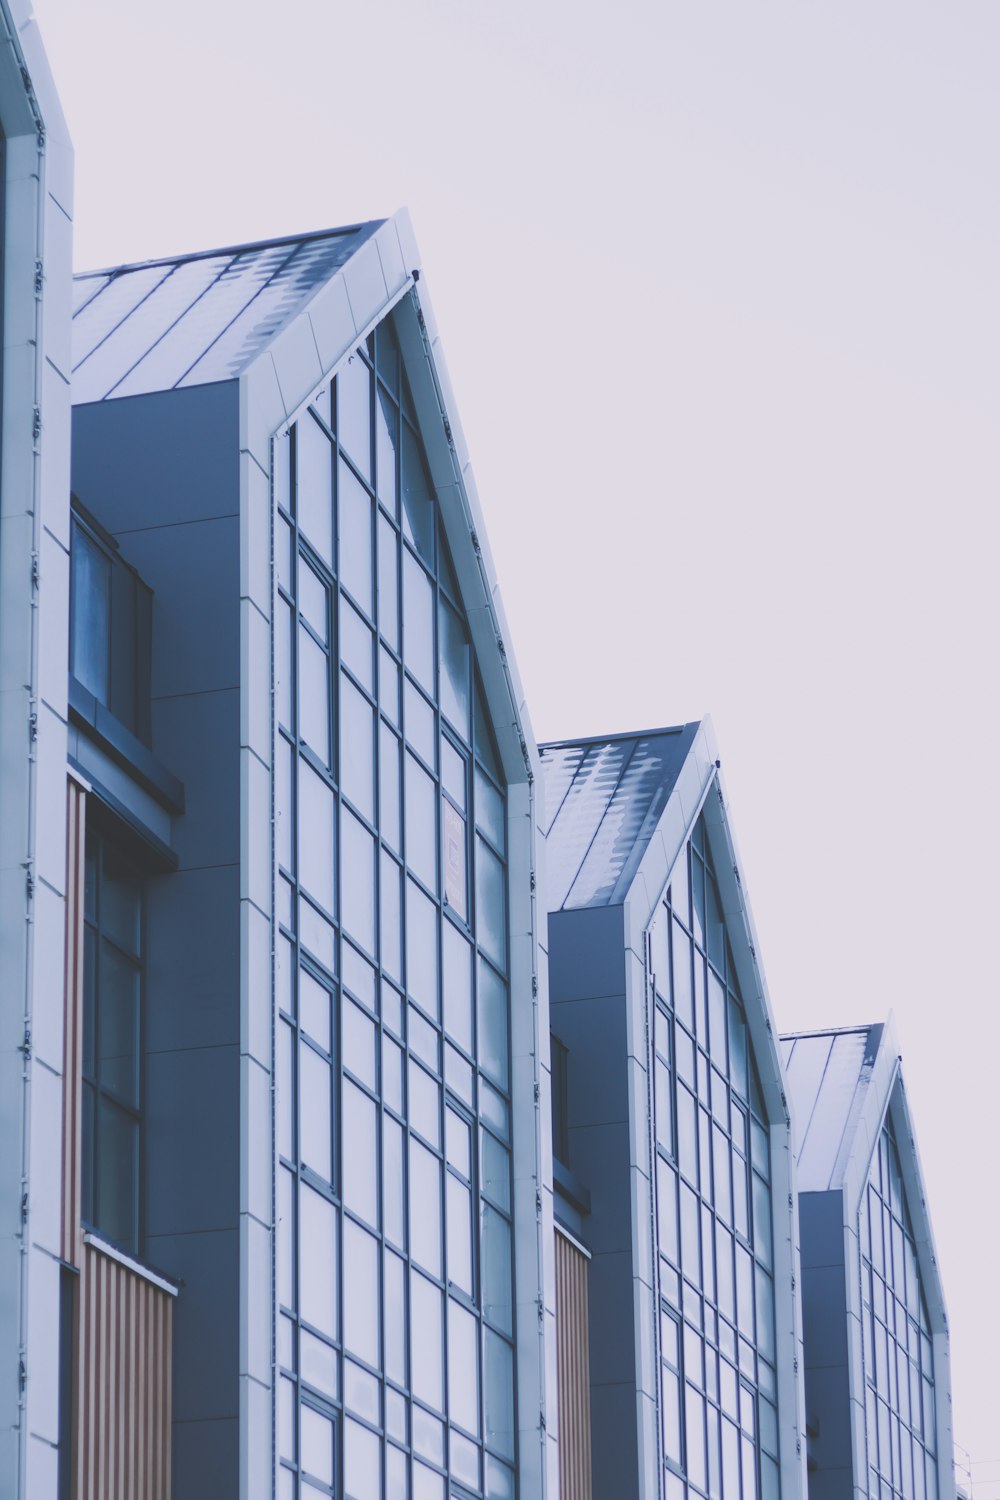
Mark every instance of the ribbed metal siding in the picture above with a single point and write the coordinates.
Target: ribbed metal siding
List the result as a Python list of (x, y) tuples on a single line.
[(573, 1368), (123, 1435), (73, 1030)]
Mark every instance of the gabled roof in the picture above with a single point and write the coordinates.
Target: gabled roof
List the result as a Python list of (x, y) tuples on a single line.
[(196, 319), (828, 1075), (603, 800)]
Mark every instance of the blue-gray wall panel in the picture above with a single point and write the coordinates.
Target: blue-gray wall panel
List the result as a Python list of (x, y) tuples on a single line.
[(587, 1001), (825, 1345), (161, 472)]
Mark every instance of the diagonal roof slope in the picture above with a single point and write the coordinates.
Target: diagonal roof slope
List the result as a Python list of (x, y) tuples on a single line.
[(603, 800), (196, 319), (828, 1074)]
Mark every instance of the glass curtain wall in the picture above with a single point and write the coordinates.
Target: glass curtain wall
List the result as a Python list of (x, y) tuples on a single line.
[(394, 1256), (718, 1384), (899, 1365)]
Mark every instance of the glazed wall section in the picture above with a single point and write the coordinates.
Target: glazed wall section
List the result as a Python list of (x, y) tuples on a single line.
[(161, 473), (825, 1324)]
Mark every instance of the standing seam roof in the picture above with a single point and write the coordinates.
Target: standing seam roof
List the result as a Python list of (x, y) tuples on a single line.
[(196, 319), (827, 1073), (603, 800)]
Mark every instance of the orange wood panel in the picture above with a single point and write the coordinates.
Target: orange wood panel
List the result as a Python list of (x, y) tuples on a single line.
[(573, 1368)]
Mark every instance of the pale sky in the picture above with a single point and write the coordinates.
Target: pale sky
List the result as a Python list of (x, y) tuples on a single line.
[(718, 286)]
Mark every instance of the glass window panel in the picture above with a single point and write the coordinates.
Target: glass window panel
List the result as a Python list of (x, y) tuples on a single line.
[(428, 1437), (744, 1291), (357, 753), (317, 1261), (357, 873), (716, 1020), (395, 1320), (118, 1028), (424, 1040), (314, 696), (314, 1009), (354, 412), (458, 1143), (317, 1445), (496, 1268), (318, 1364), (397, 1479), (495, 1168), (455, 669), (392, 1180), (493, 1018), (355, 539), (498, 1381), (489, 810), (694, 1428), (388, 686), (116, 1175), (314, 485), (120, 901), (391, 916), (421, 949), (499, 1479), (389, 824), (456, 954), (91, 585), (359, 1043), (392, 1074), (762, 1220), (386, 443), (741, 1211), (388, 582), (418, 622), (357, 645), (664, 1124), (491, 912), (362, 1392), (672, 1416), (314, 601), (360, 1153), (463, 1368), (317, 934), (362, 1462), (425, 1103), (683, 997), (724, 1271), (494, 1109), (666, 1209), (362, 1302), (316, 836), (421, 823), (720, 1162), (315, 1111), (459, 1216), (427, 1485), (464, 1457), (418, 502), (425, 1208), (458, 1074), (283, 802), (454, 842), (687, 1133), (765, 1314), (690, 1234), (426, 1341), (421, 731), (453, 773)]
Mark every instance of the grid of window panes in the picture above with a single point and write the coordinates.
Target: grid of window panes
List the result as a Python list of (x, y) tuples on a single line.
[(899, 1367), (718, 1386), (110, 1103), (394, 1258)]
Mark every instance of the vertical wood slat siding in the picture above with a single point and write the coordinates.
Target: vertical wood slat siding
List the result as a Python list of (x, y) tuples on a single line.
[(73, 1027), (124, 1389), (573, 1368)]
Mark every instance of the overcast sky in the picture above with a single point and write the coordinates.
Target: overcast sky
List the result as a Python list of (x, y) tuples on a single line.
[(718, 285)]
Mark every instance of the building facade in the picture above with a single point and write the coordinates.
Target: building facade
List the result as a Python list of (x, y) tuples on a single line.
[(673, 1165), (36, 180), (877, 1367)]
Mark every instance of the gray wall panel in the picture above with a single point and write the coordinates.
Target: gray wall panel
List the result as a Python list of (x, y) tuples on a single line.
[(825, 1348), (161, 472)]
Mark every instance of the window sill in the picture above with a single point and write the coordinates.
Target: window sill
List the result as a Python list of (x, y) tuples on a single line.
[(124, 748), (136, 1267)]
